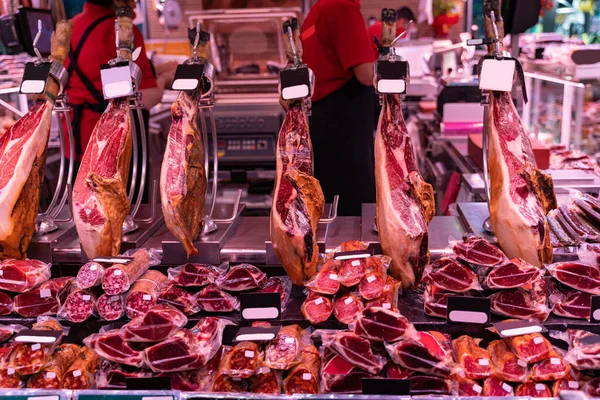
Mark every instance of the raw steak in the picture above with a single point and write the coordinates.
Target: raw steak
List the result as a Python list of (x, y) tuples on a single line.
[(467, 387), (183, 179), (530, 348), (145, 293), (110, 308), (241, 277), (180, 299), (509, 367), (100, 202), (432, 385), (22, 275), (533, 389), (285, 350), (298, 202), (340, 376), (159, 323), (550, 369), (326, 280), (45, 299), (577, 275), (571, 304), (119, 277), (346, 307), (405, 203), (213, 299), (317, 308), (521, 303), (430, 354), (520, 194), (89, 275), (193, 275), (494, 387), (382, 325), (113, 347), (79, 306), (351, 272), (517, 273), (357, 351), (23, 159), (448, 274), (478, 251), (474, 361), (304, 377)]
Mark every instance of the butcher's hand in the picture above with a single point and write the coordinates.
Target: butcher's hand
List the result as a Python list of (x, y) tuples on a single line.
[(165, 67)]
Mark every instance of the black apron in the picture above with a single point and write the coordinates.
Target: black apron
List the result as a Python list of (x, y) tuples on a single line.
[(341, 130), (100, 105)]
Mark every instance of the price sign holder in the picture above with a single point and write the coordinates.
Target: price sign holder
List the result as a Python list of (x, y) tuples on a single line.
[(37, 336), (595, 310), (392, 76), (260, 306), (154, 383), (469, 310), (188, 76), (296, 83), (353, 254), (518, 328), (126, 395), (34, 394), (35, 77), (386, 386), (116, 80), (113, 260), (248, 333)]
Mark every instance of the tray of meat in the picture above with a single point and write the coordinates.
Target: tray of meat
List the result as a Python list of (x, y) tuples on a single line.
[(145, 293), (241, 277), (192, 274), (119, 277), (22, 275)]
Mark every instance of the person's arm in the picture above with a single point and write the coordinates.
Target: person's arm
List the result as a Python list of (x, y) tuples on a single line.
[(364, 73)]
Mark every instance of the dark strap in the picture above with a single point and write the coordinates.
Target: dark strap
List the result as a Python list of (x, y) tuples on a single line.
[(74, 67)]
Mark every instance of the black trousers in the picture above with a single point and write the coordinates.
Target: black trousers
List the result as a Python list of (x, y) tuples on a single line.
[(341, 129)]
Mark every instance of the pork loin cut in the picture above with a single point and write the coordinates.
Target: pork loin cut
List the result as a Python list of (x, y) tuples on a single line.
[(405, 203), (183, 179), (520, 195), (23, 160), (298, 202)]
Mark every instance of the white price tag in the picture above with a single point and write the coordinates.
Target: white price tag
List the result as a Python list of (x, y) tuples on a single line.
[(118, 272), (36, 346), (521, 363), (249, 354), (333, 277), (555, 361), (86, 297), (306, 376), (507, 388), (289, 340), (114, 298), (348, 300), (1, 272), (147, 297), (10, 371), (50, 375), (319, 301), (573, 385), (371, 278), (93, 267), (477, 389), (76, 373), (497, 75), (264, 370), (355, 263), (484, 361), (387, 306), (538, 340), (540, 387), (45, 293)]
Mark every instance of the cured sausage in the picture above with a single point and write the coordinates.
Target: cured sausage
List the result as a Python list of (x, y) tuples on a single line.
[(28, 358), (81, 374), (304, 377), (90, 275), (118, 278), (110, 308), (145, 293), (79, 306), (266, 381), (51, 376)]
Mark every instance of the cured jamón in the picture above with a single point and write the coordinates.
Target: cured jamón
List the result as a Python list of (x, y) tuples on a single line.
[(474, 361), (22, 275), (23, 159), (509, 367), (317, 308), (304, 377)]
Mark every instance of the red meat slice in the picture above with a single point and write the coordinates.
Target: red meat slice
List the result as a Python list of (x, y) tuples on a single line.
[(381, 325), (45, 299), (515, 274), (351, 272), (22, 275), (191, 274), (577, 275), (180, 299), (435, 302), (474, 361), (530, 348), (317, 308), (550, 369), (494, 387), (521, 303), (347, 307), (478, 251), (448, 274), (389, 297), (335, 382), (326, 281), (6, 304), (213, 299), (371, 285), (178, 353), (241, 277), (430, 354), (113, 347), (159, 323), (357, 351), (509, 367), (533, 389), (572, 304)]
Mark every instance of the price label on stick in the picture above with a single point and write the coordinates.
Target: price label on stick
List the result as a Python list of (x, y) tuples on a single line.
[(595, 310), (469, 310)]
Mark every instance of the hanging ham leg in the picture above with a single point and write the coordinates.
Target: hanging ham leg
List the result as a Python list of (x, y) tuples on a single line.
[(182, 177), (298, 201), (100, 202), (23, 160)]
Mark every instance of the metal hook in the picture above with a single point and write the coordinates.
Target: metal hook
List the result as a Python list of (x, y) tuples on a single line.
[(196, 41), (35, 41), (293, 45), (117, 29), (400, 36), (496, 34)]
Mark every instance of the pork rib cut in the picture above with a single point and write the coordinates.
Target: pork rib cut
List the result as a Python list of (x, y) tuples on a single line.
[(23, 159), (100, 202), (298, 202), (182, 177), (405, 203), (520, 194)]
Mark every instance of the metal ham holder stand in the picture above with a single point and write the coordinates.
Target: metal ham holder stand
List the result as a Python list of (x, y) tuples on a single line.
[(57, 220), (215, 231), (121, 78), (296, 82), (496, 72)]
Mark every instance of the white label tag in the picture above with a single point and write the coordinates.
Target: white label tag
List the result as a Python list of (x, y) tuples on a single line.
[(477, 389), (497, 75), (484, 361), (333, 277), (319, 300), (45, 293), (573, 385), (118, 272), (540, 387), (289, 340), (147, 297), (1, 272), (50, 375), (538, 340), (36, 346), (507, 388), (114, 298), (185, 84), (371, 278), (93, 267), (387, 306), (348, 300), (76, 373), (10, 371), (521, 363), (307, 376), (264, 370), (295, 92), (355, 263), (249, 354), (391, 86), (32, 86), (555, 361), (86, 297)]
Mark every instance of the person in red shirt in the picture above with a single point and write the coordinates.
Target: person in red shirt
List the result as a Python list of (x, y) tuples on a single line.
[(405, 15), (338, 50), (93, 44)]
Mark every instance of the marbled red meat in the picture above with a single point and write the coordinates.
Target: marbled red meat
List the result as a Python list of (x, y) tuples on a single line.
[(517, 273), (346, 307), (478, 251), (326, 280), (382, 325), (577, 275), (448, 274), (213, 299), (241, 277), (317, 308)]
